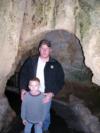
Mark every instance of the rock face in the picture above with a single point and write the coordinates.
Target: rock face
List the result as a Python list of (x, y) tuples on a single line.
[(92, 52), (88, 30), (77, 116), (6, 114), (23, 23), (11, 18), (67, 49)]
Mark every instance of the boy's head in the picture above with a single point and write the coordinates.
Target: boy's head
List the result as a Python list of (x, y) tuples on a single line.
[(34, 84)]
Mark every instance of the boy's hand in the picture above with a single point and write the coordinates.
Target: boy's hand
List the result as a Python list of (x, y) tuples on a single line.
[(24, 122)]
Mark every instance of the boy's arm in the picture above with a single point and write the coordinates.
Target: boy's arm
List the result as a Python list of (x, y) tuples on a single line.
[(24, 122), (23, 114)]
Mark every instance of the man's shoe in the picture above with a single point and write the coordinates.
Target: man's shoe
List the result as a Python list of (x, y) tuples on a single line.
[(46, 131)]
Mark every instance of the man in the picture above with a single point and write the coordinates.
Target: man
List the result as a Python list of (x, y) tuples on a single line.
[(48, 70)]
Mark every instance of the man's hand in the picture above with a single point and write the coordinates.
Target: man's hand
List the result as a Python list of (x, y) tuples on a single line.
[(23, 92), (48, 97)]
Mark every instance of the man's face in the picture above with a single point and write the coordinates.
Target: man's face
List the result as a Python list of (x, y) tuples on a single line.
[(45, 51)]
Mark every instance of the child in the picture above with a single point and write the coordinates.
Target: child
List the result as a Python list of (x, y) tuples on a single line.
[(33, 109)]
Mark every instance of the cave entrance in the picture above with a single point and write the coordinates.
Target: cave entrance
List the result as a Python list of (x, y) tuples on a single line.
[(67, 49)]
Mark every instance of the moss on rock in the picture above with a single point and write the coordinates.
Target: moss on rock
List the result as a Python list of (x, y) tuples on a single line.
[(83, 17)]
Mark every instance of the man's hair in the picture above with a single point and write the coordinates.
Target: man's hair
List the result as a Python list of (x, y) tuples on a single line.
[(35, 79), (46, 42)]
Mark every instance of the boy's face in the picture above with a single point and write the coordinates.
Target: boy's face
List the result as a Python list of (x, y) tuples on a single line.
[(34, 86), (45, 51)]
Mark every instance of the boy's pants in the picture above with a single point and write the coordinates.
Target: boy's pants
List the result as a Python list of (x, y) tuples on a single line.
[(37, 127)]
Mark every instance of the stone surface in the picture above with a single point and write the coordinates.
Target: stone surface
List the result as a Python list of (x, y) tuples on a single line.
[(88, 30), (77, 116), (23, 30), (23, 23), (11, 18), (21, 26), (67, 49), (88, 123), (6, 114)]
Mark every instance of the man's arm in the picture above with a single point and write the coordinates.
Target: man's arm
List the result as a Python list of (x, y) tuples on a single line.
[(59, 78), (24, 78), (48, 97), (23, 93)]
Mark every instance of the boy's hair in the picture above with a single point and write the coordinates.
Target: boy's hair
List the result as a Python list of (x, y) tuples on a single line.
[(35, 79)]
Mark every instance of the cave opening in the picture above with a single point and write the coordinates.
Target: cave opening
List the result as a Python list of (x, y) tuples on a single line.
[(72, 59), (57, 123)]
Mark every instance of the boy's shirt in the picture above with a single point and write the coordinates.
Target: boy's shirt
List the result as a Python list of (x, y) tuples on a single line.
[(33, 109)]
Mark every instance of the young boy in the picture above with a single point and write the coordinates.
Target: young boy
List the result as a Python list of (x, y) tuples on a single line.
[(34, 109)]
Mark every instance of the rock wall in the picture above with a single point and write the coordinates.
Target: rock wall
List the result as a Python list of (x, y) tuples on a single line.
[(23, 23), (88, 30), (11, 19), (77, 116)]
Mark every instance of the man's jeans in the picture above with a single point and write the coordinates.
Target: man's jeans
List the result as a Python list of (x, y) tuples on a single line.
[(37, 127), (47, 120)]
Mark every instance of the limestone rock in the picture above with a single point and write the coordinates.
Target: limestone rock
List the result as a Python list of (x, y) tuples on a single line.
[(88, 30), (23, 23), (6, 114)]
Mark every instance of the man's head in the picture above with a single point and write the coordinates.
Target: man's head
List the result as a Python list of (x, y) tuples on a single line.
[(44, 48)]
